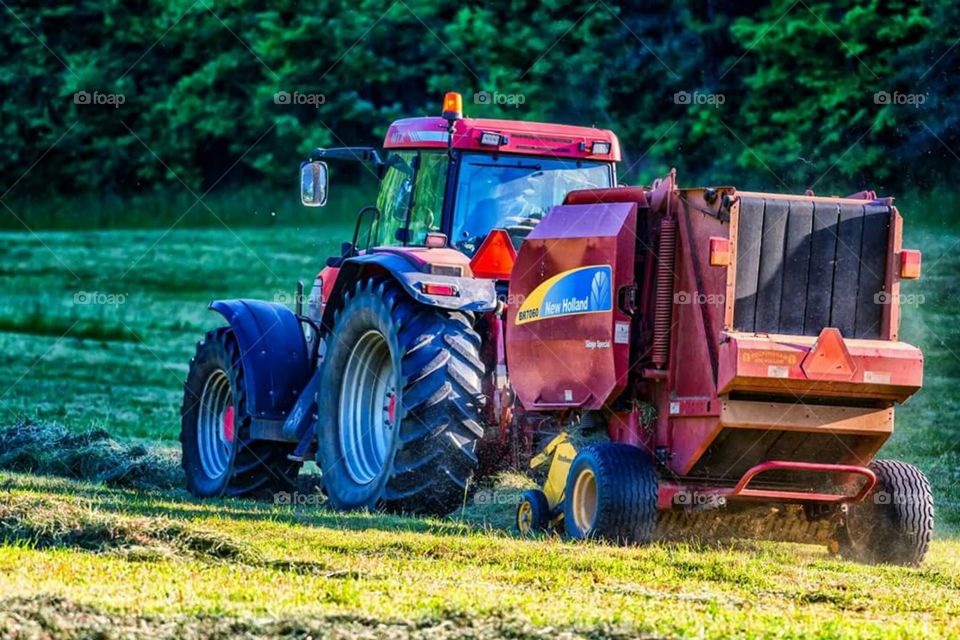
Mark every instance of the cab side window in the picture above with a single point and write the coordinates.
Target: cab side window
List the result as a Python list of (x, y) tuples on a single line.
[(414, 184), (431, 184), (396, 189)]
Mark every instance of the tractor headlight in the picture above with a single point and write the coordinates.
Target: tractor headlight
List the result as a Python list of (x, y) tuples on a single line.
[(600, 148), (490, 139)]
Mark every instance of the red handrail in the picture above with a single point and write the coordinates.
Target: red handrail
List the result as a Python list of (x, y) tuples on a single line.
[(741, 489)]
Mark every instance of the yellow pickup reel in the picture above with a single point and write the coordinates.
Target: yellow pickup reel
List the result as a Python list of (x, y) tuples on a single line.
[(539, 511)]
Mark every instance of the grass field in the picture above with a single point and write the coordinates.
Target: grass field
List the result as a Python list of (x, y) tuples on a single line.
[(96, 329)]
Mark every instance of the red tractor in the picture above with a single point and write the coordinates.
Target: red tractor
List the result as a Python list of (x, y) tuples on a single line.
[(653, 353)]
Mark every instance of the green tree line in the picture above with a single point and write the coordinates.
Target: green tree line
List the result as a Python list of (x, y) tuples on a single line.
[(119, 99)]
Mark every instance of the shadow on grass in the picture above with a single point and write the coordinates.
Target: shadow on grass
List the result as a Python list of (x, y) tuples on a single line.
[(178, 505)]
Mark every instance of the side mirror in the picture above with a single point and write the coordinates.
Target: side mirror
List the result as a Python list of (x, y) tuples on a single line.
[(313, 183)]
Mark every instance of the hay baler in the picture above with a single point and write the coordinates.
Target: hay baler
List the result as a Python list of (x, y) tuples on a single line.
[(655, 353), (740, 348)]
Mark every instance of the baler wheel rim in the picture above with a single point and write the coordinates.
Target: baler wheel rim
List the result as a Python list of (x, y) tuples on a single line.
[(585, 500), (525, 517), (624, 481)]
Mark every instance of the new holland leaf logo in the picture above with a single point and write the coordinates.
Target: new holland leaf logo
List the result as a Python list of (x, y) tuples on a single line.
[(600, 291), (570, 293)]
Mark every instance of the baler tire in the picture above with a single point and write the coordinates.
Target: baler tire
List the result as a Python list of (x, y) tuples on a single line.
[(430, 457), (894, 524), (254, 467), (533, 513), (626, 483)]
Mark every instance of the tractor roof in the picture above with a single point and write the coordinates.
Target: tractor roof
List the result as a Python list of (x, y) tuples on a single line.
[(527, 138)]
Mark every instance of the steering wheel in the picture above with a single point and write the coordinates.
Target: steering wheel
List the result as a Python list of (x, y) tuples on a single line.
[(519, 227)]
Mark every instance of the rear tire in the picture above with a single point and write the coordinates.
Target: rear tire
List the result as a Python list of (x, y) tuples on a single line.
[(611, 494), (894, 524), (219, 456), (401, 402)]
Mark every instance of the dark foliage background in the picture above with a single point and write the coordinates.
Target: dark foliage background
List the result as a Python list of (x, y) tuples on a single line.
[(792, 92)]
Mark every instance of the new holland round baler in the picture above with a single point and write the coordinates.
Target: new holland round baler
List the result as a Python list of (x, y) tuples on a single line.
[(761, 329)]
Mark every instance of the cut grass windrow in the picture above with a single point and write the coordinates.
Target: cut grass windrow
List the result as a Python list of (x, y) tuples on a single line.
[(52, 449), (40, 522), (43, 617)]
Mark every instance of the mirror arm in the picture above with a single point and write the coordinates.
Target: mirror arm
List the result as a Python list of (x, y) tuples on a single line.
[(356, 154)]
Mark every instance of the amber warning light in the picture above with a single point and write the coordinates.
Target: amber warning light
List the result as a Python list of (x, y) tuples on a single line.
[(452, 106), (719, 252), (910, 260)]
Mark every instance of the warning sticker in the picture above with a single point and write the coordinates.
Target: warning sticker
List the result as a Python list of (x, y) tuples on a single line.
[(877, 377), (622, 333), (775, 371)]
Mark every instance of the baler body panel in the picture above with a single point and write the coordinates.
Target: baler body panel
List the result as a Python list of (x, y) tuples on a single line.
[(568, 341), (806, 264), (699, 295), (804, 362), (882, 370)]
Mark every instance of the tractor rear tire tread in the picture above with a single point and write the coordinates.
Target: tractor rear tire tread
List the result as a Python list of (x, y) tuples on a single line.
[(442, 392), (440, 401)]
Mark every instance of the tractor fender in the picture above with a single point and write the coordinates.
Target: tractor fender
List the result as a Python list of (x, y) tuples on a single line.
[(477, 295), (273, 350)]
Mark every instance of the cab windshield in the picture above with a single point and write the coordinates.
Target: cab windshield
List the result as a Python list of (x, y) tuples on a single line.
[(514, 193)]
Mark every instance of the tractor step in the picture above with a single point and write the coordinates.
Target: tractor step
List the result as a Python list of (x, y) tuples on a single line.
[(302, 450)]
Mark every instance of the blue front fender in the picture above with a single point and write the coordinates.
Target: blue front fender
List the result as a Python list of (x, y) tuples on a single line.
[(273, 350)]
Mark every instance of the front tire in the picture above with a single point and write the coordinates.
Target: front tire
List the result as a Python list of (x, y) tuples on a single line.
[(402, 398), (894, 524), (219, 456)]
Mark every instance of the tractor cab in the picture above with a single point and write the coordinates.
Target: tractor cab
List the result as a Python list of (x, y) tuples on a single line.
[(460, 178)]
